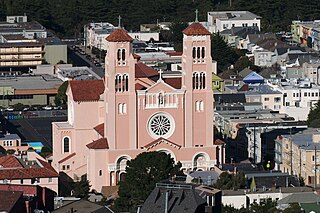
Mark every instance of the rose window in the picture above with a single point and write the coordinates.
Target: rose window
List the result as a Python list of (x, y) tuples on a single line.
[(160, 125)]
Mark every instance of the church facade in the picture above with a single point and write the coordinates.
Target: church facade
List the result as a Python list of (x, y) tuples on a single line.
[(134, 109)]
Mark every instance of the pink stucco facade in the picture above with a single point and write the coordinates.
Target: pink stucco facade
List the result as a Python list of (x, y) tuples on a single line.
[(125, 119)]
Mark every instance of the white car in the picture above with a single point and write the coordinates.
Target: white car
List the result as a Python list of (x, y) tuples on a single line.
[(47, 108), (10, 108)]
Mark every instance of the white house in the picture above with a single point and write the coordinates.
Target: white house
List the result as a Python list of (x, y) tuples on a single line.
[(221, 20)]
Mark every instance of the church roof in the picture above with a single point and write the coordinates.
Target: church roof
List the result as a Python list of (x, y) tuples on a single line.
[(196, 29), (144, 71), (88, 90), (100, 129), (119, 35), (67, 158), (160, 140), (174, 82), (101, 143), (139, 87)]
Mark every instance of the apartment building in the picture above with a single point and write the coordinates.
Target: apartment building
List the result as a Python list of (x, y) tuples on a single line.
[(12, 142), (307, 33), (299, 154), (221, 20)]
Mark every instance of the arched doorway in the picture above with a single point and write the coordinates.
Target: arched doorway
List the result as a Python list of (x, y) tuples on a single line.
[(201, 161)]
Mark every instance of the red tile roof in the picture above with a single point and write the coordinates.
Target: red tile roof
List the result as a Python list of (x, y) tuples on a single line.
[(87, 90), (27, 190), (135, 56), (218, 142), (144, 71), (67, 158), (196, 29), (100, 129), (101, 143), (139, 86), (119, 35), (9, 199), (174, 53), (10, 161), (174, 82), (159, 140)]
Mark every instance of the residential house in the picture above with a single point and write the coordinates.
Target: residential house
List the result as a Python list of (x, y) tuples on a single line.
[(12, 142), (28, 169), (236, 36), (191, 199), (217, 84), (221, 20), (311, 71), (83, 206), (306, 33), (12, 202), (299, 154)]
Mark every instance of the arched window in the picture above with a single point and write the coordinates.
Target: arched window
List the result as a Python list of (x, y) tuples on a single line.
[(120, 108), (203, 52), (200, 80), (119, 84), (124, 108), (66, 144), (119, 54), (201, 106), (194, 52), (198, 52), (197, 81), (161, 99), (203, 80), (123, 54), (197, 106), (126, 79), (194, 80), (100, 172)]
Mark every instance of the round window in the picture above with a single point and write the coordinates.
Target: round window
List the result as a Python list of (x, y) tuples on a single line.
[(161, 125)]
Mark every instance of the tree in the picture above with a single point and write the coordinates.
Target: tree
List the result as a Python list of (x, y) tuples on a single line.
[(222, 53), (241, 63), (81, 188), (266, 207), (142, 174), (314, 116), (177, 36), (61, 97), (231, 181), (293, 208), (45, 151)]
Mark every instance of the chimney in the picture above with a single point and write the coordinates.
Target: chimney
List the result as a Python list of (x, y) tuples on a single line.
[(316, 138)]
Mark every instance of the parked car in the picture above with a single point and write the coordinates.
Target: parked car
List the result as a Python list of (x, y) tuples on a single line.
[(10, 108), (47, 108), (57, 107), (29, 114)]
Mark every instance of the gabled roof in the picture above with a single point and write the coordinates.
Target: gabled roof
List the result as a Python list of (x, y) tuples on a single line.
[(88, 90), (139, 87), (253, 78), (100, 129), (161, 140), (10, 161), (144, 71), (67, 158), (174, 53), (9, 199), (119, 35), (101, 143), (174, 82), (196, 29)]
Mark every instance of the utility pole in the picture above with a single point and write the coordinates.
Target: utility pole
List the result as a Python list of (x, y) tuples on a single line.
[(254, 143), (291, 154), (315, 167)]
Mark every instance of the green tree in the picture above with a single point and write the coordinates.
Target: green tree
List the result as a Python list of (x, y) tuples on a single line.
[(142, 174), (231, 209), (45, 151), (293, 208), (314, 116), (177, 36), (241, 63), (222, 53), (267, 207), (61, 97), (231, 181), (81, 188)]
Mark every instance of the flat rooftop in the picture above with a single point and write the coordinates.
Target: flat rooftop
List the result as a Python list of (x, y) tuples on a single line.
[(304, 139), (38, 82), (234, 15)]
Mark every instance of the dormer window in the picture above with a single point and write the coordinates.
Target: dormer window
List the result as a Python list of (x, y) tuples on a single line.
[(233, 77)]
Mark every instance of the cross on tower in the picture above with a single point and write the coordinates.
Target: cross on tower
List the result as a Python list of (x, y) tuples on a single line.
[(160, 74), (119, 21), (197, 12)]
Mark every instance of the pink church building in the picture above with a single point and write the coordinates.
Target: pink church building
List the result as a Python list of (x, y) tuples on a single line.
[(134, 110)]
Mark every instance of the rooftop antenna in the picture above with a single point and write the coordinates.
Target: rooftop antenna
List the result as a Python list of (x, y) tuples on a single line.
[(119, 21), (197, 12)]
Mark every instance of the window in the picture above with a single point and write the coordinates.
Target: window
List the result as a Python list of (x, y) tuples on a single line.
[(122, 83), (21, 181), (305, 94), (68, 167), (123, 54), (119, 54), (277, 99), (100, 172), (287, 103), (66, 144), (266, 99), (50, 179), (312, 94), (197, 106), (63, 167), (201, 106), (120, 108), (294, 94), (198, 52), (203, 52), (194, 52)]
